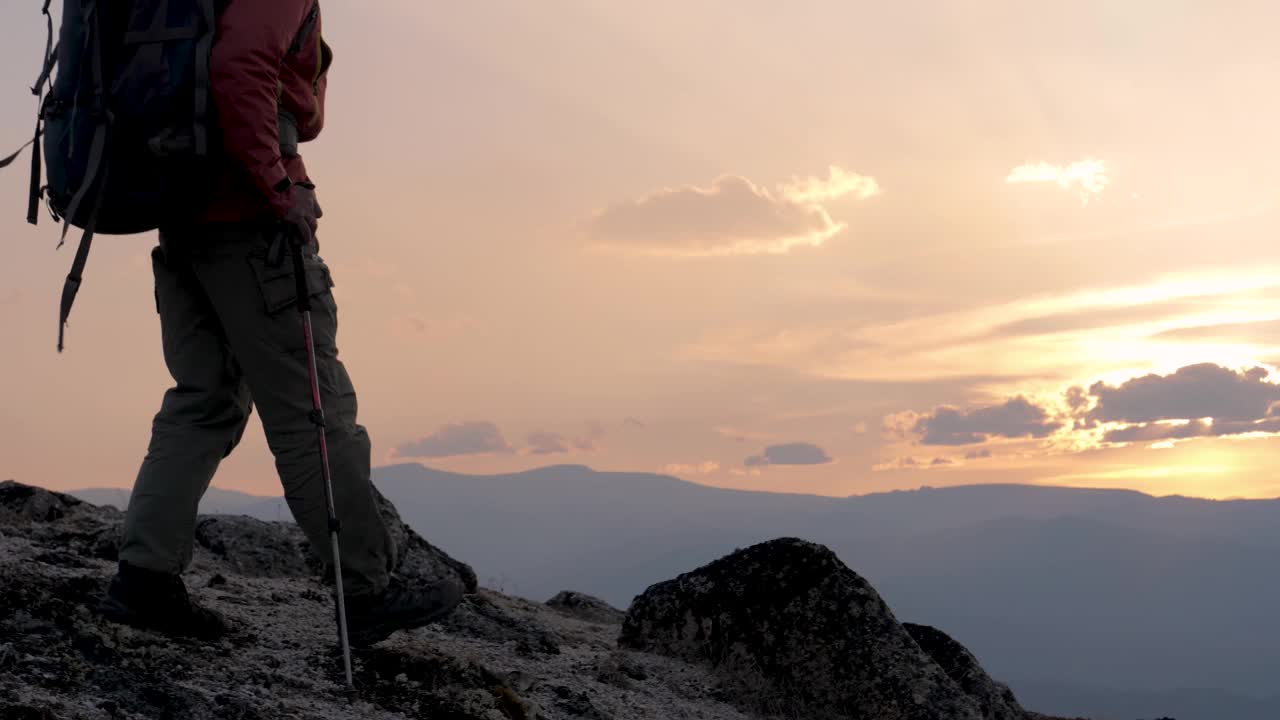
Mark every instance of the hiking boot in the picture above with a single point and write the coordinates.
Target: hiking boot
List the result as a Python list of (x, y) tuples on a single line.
[(372, 618), (158, 601)]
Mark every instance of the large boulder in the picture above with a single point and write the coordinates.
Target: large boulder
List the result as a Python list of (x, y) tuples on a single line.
[(234, 543), (418, 559), (794, 630), (79, 528), (995, 699), (28, 504), (256, 548)]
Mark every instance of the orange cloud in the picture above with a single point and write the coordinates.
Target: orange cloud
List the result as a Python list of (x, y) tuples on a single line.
[(706, 467), (466, 438), (733, 216)]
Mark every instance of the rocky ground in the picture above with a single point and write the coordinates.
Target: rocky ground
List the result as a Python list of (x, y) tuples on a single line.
[(779, 630)]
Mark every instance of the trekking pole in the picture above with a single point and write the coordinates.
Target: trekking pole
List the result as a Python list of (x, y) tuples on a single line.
[(317, 418)]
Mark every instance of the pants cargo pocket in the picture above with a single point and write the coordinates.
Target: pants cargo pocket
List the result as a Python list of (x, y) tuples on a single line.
[(277, 283), (279, 291)]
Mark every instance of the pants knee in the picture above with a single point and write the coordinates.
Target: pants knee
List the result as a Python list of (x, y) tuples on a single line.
[(299, 442), (188, 415)]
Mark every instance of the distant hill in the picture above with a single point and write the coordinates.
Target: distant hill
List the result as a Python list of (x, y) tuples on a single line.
[(1108, 704), (1054, 589), (215, 501)]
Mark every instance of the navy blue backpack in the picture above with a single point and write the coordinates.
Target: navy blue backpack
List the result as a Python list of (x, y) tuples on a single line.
[(126, 129)]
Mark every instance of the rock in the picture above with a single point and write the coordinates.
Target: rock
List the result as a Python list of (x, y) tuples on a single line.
[(8, 656), (578, 704), (247, 546), (25, 502), (27, 712), (792, 629), (419, 559), (496, 657), (258, 548), (585, 606), (255, 548), (379, 679), (995, 699), (510, 704), (620, 670), (105, 543), (76, 526), (481, 616)]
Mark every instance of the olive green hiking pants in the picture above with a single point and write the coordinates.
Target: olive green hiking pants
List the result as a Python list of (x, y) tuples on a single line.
[(233, 339)]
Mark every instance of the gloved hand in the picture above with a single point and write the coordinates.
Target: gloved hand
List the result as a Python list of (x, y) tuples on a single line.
[(302, 212)]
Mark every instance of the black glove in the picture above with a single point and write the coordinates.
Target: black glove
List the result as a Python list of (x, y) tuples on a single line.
[(302, 212)]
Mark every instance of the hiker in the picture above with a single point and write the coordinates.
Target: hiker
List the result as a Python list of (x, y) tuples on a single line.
[(225, 292)]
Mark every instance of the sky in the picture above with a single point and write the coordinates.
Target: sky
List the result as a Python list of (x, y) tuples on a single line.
[(830, 247)]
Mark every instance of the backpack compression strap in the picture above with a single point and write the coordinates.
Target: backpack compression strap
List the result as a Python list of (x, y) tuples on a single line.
[(93, 181), (6, 162)]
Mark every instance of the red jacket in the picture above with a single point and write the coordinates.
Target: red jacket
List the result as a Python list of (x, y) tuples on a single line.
[(252, 77)]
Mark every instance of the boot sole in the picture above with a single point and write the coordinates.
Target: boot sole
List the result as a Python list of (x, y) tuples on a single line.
[(115, 611)]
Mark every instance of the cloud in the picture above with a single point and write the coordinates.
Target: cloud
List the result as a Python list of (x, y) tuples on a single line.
[(1016, 418), (546, 442), (1198, 391), (1148, 432), (790, 454), (1093, 318), (1258, 331), (1195, 401), (704, 468), (1089, 177), (591, 439), (839, 183), (1077, 399), (733, 216), (633, 422), (467, 438), (541, 442), (739, 435), (907, 462)]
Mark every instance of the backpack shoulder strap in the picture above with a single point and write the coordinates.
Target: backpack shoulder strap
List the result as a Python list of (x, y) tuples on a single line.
[(209, 14)]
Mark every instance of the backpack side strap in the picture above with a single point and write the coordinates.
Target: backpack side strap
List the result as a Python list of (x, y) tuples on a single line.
[(8, 160), (94, 180), (45, 78)]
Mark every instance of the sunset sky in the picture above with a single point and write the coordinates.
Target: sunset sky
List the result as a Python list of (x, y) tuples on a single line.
[(827, 246)]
